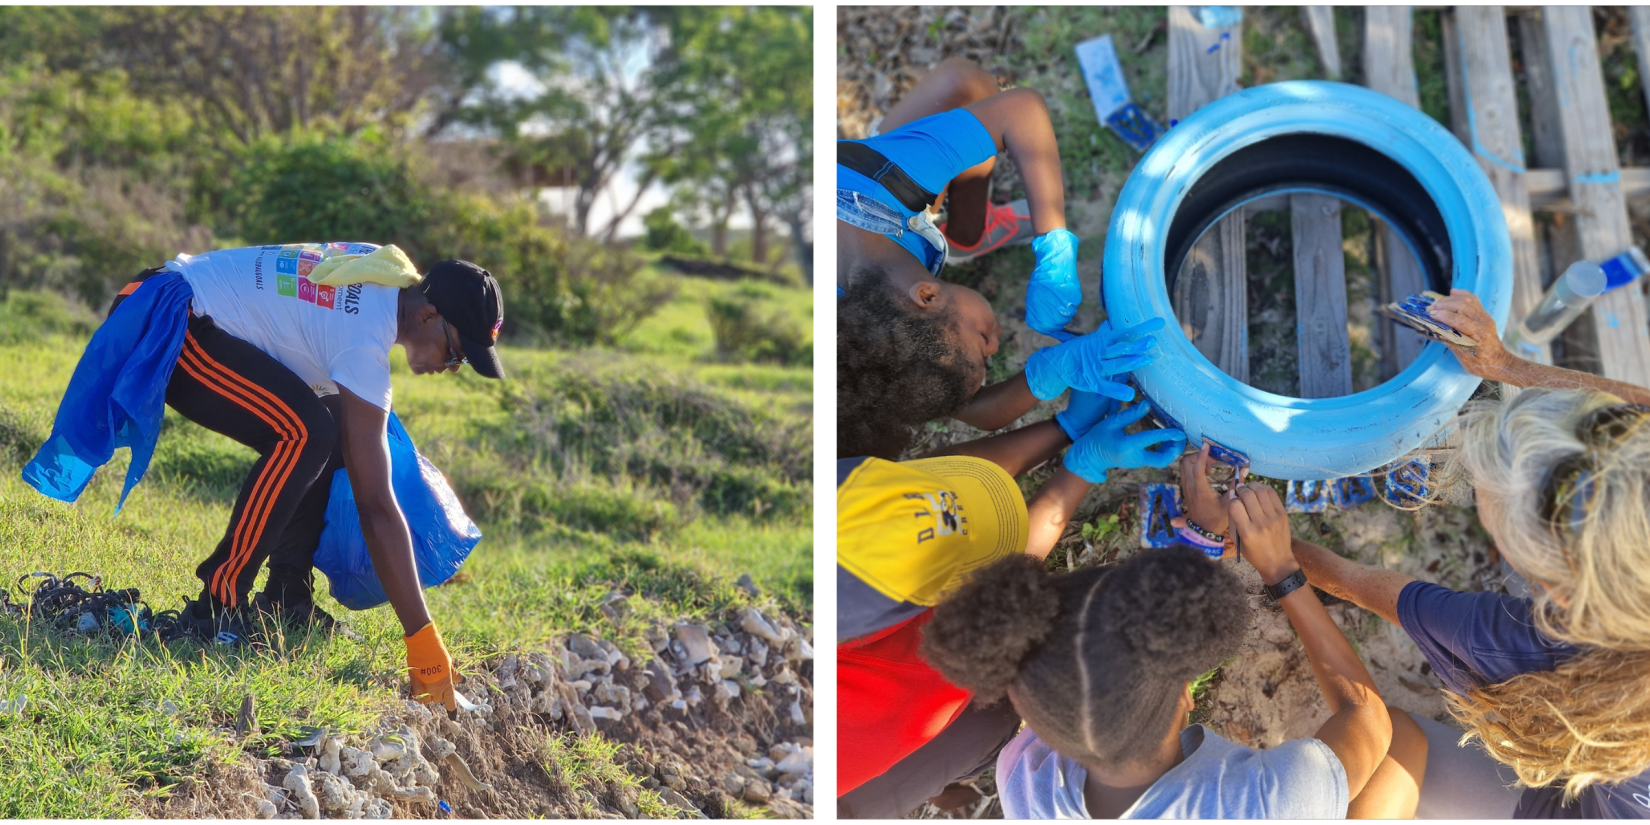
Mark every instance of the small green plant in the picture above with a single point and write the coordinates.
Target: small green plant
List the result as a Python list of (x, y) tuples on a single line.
[(1096, 532)]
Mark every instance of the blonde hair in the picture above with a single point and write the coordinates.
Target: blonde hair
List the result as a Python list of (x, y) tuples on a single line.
[(1587, 721)]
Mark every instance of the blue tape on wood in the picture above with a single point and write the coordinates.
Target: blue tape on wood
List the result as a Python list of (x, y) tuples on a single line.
[(1352, 490), (1307, 496), (1158, 504), (1407, 481)]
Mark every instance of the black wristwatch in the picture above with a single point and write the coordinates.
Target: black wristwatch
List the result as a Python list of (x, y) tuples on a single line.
[(1290, 584)]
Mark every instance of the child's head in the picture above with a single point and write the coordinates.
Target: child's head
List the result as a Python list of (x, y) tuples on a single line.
[(906, 356), (1096, 661)]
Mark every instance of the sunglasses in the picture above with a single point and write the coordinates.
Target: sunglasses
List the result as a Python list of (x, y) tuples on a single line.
[(1571, 479), (453, 357)]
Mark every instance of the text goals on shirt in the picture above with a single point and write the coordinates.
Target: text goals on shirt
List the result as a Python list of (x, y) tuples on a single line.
[(294, 262)]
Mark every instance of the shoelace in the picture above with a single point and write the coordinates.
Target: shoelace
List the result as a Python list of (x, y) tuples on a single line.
[(993, 220)]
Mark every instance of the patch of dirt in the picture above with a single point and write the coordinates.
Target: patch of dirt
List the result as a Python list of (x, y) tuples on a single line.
[(720, 713)]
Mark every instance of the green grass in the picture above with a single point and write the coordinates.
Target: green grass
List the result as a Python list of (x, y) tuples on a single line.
[(681, 329), (91, 740)]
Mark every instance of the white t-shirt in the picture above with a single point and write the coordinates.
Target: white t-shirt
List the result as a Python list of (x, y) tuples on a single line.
[(327, 336), (1299, 779)]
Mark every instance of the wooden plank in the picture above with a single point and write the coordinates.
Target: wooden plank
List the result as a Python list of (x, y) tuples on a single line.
[(1389, 68), (1590, 161), (1211, 294), (1488, 125), (1320, 297), (1389, 65), (1320, 22), (1550, 190), (1577, 346)]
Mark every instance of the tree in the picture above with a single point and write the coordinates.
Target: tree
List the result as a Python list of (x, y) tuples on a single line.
[(257, 71), (749, 71), (598, 105)]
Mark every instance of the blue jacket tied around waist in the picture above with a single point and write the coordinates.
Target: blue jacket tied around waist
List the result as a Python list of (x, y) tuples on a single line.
[(117, 395), (117, 398)]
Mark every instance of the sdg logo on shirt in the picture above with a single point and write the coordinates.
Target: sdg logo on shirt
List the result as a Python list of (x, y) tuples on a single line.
[(286, 266), (306, 291), (305, 267), (324, 296), (286, 285)]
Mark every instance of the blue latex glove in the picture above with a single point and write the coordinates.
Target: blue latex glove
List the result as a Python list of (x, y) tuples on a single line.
[(1106, 446), (1084, 363), (1054, 293), (1083, 410)]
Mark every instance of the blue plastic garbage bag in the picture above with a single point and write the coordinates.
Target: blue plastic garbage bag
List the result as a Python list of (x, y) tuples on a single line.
[(442, 535)]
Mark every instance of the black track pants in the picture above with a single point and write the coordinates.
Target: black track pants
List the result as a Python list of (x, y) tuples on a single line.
[(231, 387)]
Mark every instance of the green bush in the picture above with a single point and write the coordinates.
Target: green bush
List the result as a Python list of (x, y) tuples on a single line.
[(664, 234), (747, 330), (316, 188)]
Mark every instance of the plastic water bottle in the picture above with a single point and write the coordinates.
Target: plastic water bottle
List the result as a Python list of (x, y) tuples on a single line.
[(1563, 302)]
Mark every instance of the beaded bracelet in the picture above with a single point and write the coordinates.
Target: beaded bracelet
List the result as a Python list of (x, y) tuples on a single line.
[(1219, 537)]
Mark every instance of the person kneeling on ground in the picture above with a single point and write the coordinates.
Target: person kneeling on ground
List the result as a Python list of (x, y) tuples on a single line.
[(912, 348), (241, 343), (1100, 662), (906, 533), (1549, 681)]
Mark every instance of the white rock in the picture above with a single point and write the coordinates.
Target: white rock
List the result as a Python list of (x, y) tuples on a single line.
[(604, 712), (783, 676), (753, 622), (796, 714), (266, 809), (329, 761), (731, 667), (798, 761), (385, 750), (758, 653), (297, 781), (695, 643), (355, 761)]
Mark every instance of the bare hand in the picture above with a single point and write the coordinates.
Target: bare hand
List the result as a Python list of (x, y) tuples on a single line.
[(1259, 518), (1462, 311), (1203, 504)]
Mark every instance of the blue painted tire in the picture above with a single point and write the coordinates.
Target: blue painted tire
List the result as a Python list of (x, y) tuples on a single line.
[(1295, 438)]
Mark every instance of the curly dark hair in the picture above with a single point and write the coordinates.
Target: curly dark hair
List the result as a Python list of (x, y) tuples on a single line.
[(898, 366), (1094, 660)]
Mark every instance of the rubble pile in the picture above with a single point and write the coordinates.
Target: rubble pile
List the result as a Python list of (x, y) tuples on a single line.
[(690, 703)]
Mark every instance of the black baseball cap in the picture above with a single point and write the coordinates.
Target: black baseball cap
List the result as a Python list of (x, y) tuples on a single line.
[(468, 297)]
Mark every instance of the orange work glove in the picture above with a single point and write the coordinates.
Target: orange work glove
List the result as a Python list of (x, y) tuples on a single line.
[(430, 668)]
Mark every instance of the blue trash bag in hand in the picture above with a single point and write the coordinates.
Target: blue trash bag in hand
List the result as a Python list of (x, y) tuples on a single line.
[(442, 535)]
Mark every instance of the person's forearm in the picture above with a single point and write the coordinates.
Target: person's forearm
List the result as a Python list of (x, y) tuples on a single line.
[(999, 405), (1018, 120), (1522, 373), (1359, 722), (1017, 451), (1370, 588), (389, 543), (1051, 510)]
